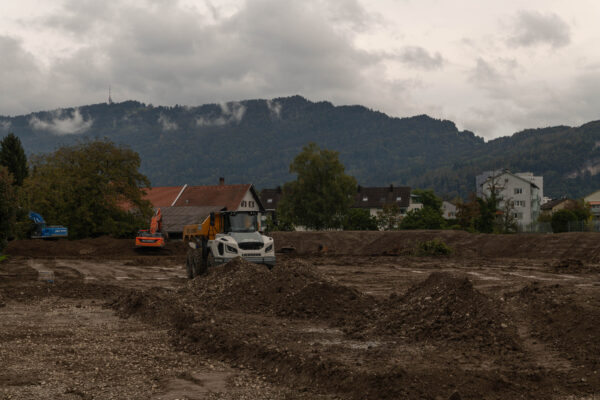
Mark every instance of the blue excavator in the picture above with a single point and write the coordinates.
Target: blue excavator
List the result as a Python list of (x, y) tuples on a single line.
[(42, 231)]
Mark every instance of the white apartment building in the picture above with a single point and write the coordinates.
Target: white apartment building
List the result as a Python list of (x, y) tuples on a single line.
[(523, 190)]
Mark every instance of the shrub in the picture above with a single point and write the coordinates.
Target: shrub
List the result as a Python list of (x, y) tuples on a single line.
[(435, 247)]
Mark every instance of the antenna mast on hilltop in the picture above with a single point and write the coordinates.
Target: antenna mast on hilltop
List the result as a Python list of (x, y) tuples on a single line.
[(110, 101)]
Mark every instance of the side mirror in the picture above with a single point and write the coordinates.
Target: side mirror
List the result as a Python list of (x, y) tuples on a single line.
[(262, 224), (212, 219), (193, 245)]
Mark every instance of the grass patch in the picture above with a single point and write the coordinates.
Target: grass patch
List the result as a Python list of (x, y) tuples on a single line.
[(435, 247)]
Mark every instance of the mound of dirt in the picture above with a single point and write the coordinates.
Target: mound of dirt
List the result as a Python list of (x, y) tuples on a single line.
[(568, 319), (448, 307), (157, 306), (292, 289), (103, 247)]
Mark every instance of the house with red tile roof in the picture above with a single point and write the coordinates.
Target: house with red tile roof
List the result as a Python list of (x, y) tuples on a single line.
[(164, 196), (186, 205), (229, 197)]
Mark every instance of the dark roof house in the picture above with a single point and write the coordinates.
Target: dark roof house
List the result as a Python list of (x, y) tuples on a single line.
[(557, 204), (377, 197), (270, 197)]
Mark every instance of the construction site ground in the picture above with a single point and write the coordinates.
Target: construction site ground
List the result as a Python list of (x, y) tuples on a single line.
[(343, 315)]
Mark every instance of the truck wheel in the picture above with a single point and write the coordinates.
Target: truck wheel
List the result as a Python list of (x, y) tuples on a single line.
[(189, 264), (210, 260), (199, 263)]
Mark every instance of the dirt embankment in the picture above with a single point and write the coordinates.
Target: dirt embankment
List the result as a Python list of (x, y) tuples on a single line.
[(440, 337), (579, 246), (576, 245), (98, 248)]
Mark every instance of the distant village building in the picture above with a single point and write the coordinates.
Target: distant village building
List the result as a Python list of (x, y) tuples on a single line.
[(593, 200), (523, 191), (374, 199), (537, 180), (553, 206), (270, 198), (448, 210)]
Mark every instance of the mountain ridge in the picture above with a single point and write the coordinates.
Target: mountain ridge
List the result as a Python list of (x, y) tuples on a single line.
[(255, 140)]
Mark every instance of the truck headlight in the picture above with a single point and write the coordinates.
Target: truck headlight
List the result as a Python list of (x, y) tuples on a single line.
[(269, 248), (231, 249)]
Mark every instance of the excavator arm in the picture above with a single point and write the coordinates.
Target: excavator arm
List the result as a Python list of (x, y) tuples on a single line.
[(156, 222)]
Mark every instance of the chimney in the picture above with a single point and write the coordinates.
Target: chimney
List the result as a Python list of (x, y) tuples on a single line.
[(221, 181), (391, 188)]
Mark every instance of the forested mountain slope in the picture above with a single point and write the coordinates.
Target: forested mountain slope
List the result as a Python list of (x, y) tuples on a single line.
[(255, 141)]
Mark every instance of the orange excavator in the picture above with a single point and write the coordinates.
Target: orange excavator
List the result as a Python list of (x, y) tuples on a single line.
[(154, 236)]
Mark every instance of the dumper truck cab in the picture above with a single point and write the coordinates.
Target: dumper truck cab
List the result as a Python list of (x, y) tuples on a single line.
[(226, 235)]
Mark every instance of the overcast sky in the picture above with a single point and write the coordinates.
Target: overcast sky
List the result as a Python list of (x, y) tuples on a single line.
[(493, 67)]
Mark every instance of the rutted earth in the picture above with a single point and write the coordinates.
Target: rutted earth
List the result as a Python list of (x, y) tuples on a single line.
[(335, 319)]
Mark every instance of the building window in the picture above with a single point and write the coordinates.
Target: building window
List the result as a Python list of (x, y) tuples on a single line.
[(243, 203), (519, 203), (518, 190), (398, 198), (365, 198), (250, 203), (269, 200)]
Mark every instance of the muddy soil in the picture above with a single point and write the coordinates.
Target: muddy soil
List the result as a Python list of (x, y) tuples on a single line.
[(332, 320)]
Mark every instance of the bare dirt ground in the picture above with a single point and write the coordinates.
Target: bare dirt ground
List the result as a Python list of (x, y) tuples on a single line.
[(346, 315)]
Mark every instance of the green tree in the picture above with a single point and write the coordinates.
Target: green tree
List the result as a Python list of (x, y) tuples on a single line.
[(582, 210), (390, 217), (505, 219), (12, 156), (89, 187), (430, 216), (8, 206), (468, 213), (322, 193), (428, 198), (561, 219), (486, 219), (359, 219)]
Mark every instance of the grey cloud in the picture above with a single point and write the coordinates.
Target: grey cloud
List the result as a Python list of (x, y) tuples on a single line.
[(418, 57), (495, 77), (484, 73), (350, 13), (166, 123), (231, 113), (62, 125), (163, 53), (22, 78), (532, 28), (291, 51), (274, 107), (79, 17)]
